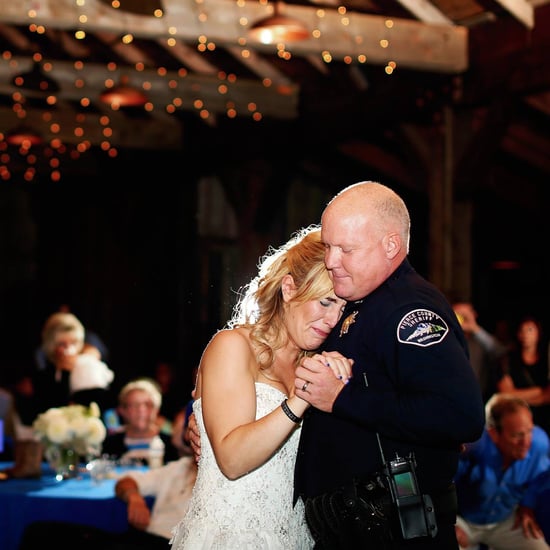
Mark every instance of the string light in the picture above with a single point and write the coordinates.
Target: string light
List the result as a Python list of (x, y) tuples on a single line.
[(39, 77)]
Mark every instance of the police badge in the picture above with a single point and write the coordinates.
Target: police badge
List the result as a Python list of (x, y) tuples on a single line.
[(348, 321)]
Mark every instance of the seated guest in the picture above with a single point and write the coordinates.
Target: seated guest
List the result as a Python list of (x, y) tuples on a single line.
[(17, 442), (494, 475), (7, 427), (166, 376), (93, 343), (525, 370), (25, 406), (63, 340), (148, 528), (484, 348), (139, 403)]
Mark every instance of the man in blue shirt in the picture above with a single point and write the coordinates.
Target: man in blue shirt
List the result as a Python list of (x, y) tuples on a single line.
[(494, 475)]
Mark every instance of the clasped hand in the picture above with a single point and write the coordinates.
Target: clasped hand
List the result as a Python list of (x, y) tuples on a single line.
[(323, 376), (320, 378)]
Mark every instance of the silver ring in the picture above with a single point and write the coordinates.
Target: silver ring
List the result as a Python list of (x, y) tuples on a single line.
[(304, 387)]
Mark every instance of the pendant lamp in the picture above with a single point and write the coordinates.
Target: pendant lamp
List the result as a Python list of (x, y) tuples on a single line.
[(124, 95), (278, 28), (24, 136)]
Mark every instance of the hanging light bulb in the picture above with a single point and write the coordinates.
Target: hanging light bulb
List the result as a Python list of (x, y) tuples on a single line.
[(278, 28), (24, 136), (123, 95)]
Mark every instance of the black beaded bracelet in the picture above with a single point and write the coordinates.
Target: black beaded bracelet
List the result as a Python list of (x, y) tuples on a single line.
[(289, 413)]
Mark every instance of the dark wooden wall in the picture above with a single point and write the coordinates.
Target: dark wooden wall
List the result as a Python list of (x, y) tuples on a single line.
[(119, 244)]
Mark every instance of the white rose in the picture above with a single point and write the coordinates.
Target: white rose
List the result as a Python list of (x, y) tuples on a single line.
[(58, 431), (44, 420), (96, 431), (94, 410), (52, 414), (73, 412), (80, 426)]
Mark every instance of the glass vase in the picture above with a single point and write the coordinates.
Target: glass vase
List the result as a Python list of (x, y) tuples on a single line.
[(64, 462)]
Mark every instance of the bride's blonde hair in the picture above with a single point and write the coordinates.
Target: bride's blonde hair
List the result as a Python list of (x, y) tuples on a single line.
[(260, 307)]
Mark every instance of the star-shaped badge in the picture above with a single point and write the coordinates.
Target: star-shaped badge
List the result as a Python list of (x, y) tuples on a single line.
[(348, 321)]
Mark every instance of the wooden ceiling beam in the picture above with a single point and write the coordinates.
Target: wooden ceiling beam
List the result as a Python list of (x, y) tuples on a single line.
[(17, 38), (522, 10), (172, 90), (527, 146), (260, 66), (540, 102), (410, 44), (425, 11), (165, 133), (189, 57), (129, 52)]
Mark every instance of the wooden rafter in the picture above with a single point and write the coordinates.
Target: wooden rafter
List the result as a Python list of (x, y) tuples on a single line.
[(411, 44)]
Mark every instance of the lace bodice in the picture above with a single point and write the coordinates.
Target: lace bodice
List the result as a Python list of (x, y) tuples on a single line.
[(253, 512)]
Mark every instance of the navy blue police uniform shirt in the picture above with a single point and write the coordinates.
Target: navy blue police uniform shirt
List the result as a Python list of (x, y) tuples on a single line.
[(422, 394)]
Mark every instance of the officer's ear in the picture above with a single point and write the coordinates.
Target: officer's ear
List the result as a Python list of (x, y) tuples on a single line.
[(392, 245)]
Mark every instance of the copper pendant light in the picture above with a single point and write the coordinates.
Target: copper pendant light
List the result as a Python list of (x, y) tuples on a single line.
[(124, 95), (24, 136), (278, 28)]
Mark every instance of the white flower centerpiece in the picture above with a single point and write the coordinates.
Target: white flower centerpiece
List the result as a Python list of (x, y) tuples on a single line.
[(69, 434)]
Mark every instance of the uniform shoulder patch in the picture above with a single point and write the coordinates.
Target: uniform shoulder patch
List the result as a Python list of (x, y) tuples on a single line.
[(421, 327)]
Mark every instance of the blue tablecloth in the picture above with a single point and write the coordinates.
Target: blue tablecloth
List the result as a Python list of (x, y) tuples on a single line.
[(23, 501)]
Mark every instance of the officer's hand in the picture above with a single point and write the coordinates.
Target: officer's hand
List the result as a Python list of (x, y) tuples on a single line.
[(320, 379), (193, 437)]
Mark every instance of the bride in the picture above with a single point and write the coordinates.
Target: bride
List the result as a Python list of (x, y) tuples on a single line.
[(247, 414)]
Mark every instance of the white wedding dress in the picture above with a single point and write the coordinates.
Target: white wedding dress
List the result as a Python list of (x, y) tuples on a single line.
[(254, 512)]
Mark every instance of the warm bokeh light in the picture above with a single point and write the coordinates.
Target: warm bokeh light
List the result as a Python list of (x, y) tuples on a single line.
[(119, 93)]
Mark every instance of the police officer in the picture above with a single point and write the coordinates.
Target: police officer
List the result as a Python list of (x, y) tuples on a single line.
[(412, 401)]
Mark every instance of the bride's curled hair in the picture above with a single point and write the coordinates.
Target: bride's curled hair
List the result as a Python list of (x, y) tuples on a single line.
[(260, 307)]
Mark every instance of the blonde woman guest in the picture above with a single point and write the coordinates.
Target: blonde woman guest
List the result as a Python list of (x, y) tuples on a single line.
[(246, 409), (63, 340)]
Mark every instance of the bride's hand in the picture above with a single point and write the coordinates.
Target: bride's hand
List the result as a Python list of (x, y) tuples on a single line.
[(341, 366)]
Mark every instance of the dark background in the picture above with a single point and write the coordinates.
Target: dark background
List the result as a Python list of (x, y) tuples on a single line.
[(120, 246), (118, 240)]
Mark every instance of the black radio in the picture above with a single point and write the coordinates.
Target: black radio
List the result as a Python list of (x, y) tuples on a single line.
[(415, 510)]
